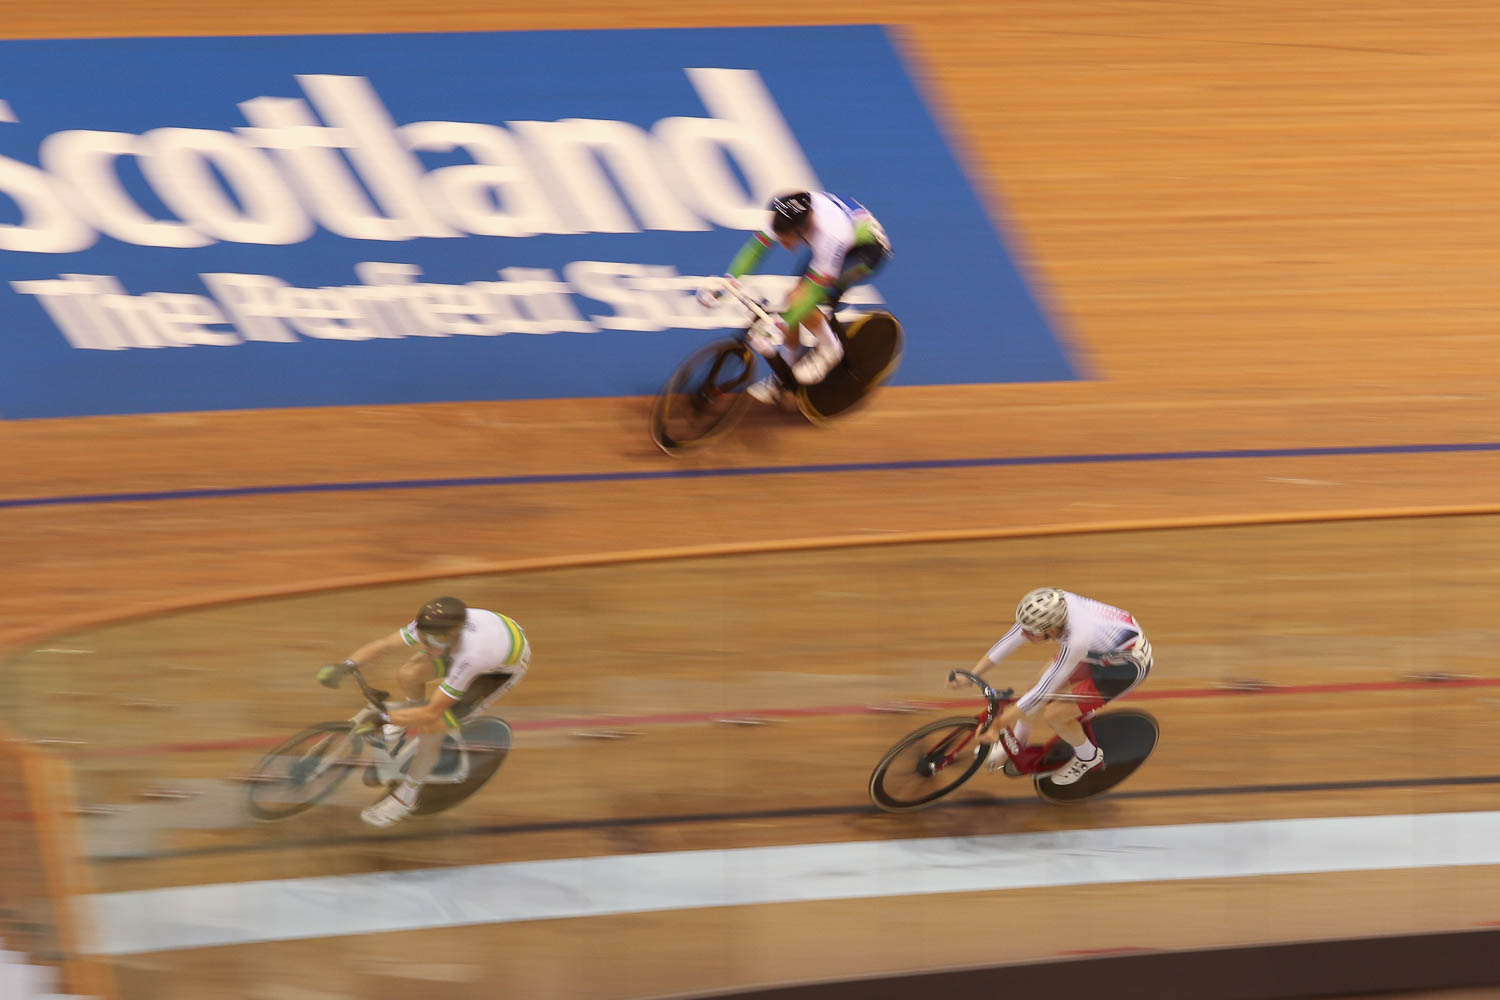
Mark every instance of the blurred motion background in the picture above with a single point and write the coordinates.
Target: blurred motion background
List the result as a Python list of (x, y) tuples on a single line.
[(1220, 351)]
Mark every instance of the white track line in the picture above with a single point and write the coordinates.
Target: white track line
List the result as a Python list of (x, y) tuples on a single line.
[(246, 912)]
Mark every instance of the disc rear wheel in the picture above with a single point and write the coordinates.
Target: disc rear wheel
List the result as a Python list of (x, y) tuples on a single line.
[(1127, 738), (488, 740)]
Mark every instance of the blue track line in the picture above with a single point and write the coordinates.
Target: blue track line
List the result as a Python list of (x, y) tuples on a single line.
[(762, 470)]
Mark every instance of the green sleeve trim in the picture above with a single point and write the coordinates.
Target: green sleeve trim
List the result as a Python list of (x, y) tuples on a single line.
[(808, 296), (750, 255), (407, 636), (455, 695)]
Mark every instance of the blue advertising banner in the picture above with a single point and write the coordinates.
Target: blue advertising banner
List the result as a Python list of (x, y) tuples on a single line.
[(234, 223)]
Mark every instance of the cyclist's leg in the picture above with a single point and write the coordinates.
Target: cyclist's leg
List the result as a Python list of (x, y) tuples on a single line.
[(414, 675), (827, 350), (1027, 732), (429, 746), (413, 678), (1065, 715), (423, 760), (426, 750), (490, 688), (822, 323), (1116, 675), (860, 264), (1022, 740), (1108, 679), (485, 689), (483, 692)]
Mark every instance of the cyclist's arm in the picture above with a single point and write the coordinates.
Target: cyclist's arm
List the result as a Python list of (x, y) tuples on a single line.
[(830, 249), (1055, 677), (428, 716), (810, 293), (1015, 711), (750, 255), (379, 647), (1009, 643)]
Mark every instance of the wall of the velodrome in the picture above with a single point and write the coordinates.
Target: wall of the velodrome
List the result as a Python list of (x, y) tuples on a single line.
[(237, 223), (1351, 967)]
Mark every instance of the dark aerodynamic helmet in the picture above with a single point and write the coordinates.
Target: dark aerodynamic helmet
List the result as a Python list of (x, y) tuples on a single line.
[(442, 613), (790, 212)]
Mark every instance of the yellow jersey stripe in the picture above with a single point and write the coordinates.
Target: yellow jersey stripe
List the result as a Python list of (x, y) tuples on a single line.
[(517, 641)]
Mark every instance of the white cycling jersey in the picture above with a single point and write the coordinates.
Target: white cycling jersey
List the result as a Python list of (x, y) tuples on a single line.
[(1095, 633), (837, 226), (490, 643)]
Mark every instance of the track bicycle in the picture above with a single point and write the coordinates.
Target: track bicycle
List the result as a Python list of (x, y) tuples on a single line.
[(310, 766), (705, 396), (933, 761)]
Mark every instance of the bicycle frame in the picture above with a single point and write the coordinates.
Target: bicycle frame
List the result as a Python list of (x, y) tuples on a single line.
[(393, 767), (1028, 759), (757, 307), (994, 702)]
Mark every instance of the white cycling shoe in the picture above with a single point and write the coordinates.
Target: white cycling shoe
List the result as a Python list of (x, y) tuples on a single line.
[(814, 366), (387, 811), (1076, 769), (768, 390)]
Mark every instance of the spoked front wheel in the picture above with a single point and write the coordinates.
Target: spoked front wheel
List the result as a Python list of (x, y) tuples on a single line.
[(303, 771), (704, 396), (926, 765)]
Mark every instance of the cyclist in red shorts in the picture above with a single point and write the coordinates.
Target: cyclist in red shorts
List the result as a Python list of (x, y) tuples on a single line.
[(1103, 654)]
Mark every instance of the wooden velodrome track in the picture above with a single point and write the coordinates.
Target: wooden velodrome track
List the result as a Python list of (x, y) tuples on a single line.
[(1269, 228)]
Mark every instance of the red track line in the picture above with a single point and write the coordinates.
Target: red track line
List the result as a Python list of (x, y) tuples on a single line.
[(607, 722)]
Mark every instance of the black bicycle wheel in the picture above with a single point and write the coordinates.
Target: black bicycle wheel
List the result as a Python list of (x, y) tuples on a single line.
[(926, 765), (871, 353), (704, 396), (1127, 738), (488, 739), (303, 771)]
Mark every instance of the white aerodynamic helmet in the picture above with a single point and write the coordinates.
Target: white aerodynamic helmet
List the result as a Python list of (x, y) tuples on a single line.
[(1042, 610)]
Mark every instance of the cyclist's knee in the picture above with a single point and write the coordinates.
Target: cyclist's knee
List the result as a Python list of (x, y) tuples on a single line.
[(1060, 713), (413, 676)]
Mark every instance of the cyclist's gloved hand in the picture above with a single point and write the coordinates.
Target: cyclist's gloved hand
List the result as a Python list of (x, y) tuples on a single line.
[(330, 674), (766, 335), (715, 289)]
